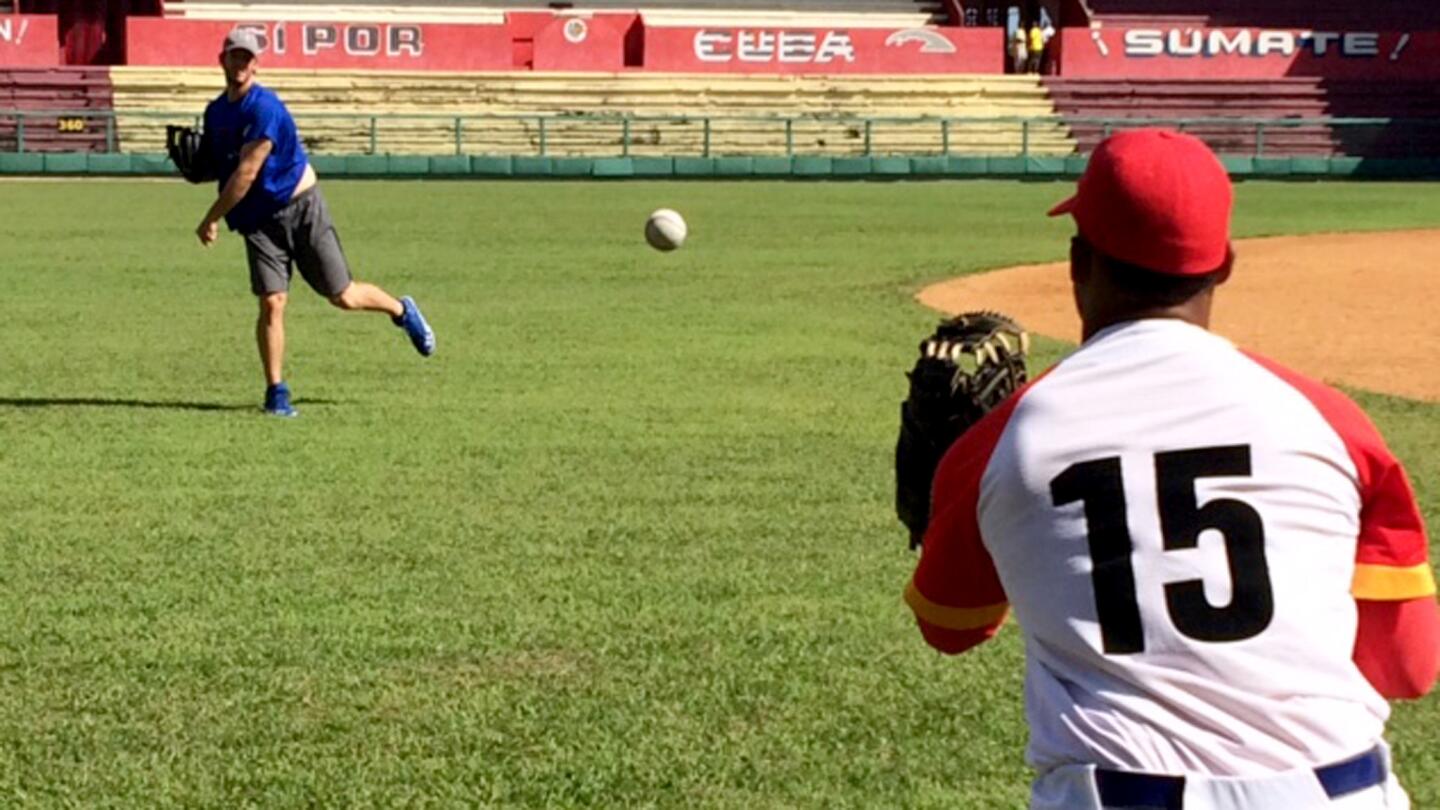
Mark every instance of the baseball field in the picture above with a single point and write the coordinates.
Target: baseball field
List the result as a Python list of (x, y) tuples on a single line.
[(625, 541)]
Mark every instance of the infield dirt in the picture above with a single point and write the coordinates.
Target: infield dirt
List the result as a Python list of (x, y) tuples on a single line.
[(1358, 309)]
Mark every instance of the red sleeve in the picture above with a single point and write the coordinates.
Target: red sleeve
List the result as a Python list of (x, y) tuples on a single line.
[(1398, 646), (956, 593)]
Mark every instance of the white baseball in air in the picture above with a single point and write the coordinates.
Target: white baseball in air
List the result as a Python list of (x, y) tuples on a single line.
[(665, 229)]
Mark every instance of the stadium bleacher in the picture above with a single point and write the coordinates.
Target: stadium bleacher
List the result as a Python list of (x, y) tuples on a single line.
[(415, 111), (51, 90), (823, 111), (1304, 104)]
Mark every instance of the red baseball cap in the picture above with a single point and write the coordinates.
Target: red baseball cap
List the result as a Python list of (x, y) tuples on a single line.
[(1157, 199)]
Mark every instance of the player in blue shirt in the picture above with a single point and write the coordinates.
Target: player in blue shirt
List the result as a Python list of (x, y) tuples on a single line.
[(268, 194)]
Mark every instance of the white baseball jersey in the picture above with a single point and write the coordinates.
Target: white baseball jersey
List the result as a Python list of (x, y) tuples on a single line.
[(1182, 530)]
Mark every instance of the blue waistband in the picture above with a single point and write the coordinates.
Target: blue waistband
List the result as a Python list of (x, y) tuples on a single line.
[(1148, 791)]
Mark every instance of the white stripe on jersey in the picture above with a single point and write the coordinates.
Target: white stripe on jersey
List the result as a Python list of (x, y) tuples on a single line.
[(1231, 694)]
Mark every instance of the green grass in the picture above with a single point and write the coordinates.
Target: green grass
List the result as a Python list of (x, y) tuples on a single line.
[(626, 540)]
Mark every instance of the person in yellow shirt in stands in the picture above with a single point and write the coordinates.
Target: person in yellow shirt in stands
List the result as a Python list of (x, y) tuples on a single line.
[(1037, 46)]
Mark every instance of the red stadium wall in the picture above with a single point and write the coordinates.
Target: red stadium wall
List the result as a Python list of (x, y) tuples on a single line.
[(599, 42), (29, 40), (1141, 52), (90, 32), (551, 41), (380, 46), (577, 43), (824, 50)]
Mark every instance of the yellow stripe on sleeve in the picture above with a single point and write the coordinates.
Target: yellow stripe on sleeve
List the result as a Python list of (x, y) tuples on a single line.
[(1390, 584), (953, 618)]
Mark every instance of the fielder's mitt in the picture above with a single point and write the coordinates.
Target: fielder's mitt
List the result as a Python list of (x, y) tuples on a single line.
[(190, 152), (968, 366)]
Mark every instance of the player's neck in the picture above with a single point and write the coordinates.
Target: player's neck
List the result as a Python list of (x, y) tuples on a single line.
[(1093, 326), (1102, 305), (235, 92), (1196, 311)]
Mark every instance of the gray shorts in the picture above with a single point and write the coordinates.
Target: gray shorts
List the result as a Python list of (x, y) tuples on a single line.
[(303, 235)]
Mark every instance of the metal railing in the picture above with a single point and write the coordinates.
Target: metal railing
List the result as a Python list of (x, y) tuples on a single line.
[(627, 135)]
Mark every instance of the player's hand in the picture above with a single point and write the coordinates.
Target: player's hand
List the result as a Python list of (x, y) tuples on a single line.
[(208, 232)]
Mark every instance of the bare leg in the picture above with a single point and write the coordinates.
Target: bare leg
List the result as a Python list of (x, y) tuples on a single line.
[(270, 335), (360, 295)]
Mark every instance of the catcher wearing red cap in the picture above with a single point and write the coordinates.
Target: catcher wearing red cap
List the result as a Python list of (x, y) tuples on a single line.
[(1219, 568)]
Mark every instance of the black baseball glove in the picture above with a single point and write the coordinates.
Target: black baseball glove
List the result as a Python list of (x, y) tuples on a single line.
[(191, 153), (968, 366)]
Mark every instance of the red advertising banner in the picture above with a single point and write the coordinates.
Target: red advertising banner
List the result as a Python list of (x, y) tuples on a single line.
[(29, 40), (825, 50), (1154, 52), (158, 41), (599, 42)]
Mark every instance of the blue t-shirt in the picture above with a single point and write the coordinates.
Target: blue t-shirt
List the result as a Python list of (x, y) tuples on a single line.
[(231, 125)]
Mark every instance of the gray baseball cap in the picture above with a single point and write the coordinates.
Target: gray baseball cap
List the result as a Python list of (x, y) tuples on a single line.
[(242, 38)]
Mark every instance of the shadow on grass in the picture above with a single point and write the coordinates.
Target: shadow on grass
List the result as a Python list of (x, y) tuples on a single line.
[(96, 402)]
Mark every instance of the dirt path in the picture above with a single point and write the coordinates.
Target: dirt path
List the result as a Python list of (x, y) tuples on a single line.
[(1331, 306)]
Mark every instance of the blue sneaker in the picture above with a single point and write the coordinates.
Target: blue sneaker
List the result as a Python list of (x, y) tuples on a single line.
[(415, 326), (277, 401)]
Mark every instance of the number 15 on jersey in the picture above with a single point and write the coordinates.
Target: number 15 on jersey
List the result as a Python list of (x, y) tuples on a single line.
[(1099, 485)]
